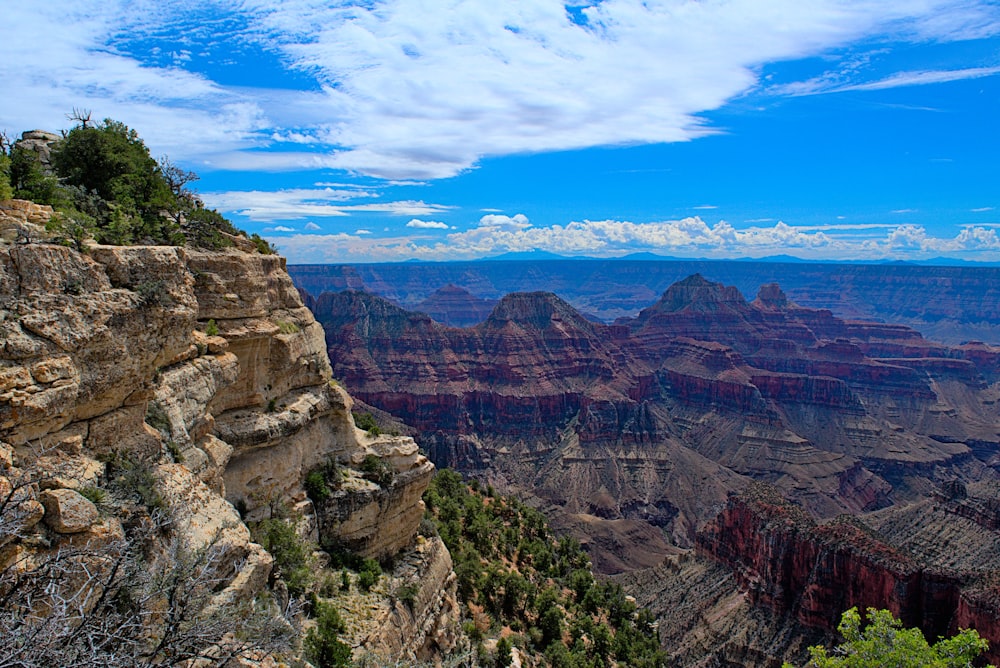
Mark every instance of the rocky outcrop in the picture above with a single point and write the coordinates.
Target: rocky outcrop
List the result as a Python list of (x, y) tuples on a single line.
[(418, 620), (206, 366)]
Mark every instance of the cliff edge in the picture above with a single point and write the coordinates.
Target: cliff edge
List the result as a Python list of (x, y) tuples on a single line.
[(206, 366)]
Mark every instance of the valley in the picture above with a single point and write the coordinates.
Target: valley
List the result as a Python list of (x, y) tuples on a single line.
[(675, 440)]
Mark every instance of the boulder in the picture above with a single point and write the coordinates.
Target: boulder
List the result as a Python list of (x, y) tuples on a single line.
[(67, 511)]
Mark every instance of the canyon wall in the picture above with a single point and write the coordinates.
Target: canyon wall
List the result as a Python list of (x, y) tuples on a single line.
[(951, 304), (785, 561), (702, 390), (207, 366)]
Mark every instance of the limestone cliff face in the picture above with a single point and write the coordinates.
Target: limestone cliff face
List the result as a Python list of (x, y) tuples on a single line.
[(204, 361)]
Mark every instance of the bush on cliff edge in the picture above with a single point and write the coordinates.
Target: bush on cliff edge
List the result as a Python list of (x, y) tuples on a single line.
[(884, 642)]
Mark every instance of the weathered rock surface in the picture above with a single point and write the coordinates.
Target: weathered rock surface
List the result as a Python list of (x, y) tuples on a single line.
[(206, 365), (66, 511), (420, 626), (703, 390)]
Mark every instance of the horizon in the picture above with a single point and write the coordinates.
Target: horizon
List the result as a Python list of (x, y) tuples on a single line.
[(392, 130)]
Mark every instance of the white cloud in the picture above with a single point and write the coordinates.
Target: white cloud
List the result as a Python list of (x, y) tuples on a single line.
[(690, 237), (834, 83), (981, 209), (427, 224), (495, 221), (362, 231), (279, 228), (312, 227), (299, 203), (408, 91)]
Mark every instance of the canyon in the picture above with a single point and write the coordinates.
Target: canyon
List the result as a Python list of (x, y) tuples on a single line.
[(649, 438)]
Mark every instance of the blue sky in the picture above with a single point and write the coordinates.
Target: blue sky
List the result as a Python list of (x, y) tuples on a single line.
[(385, 130)]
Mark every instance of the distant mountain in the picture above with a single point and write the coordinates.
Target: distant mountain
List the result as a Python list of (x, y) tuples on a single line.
[(950, 304), (455, 306)]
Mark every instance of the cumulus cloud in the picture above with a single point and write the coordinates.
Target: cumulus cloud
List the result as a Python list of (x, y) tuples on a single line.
[(312, 227), (507, 223), (427, 224), (691, 237), (402, 90)]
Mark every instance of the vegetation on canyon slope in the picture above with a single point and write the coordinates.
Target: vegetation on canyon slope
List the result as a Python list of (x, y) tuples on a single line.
[(103, 183), (532, 590), (133, 592)]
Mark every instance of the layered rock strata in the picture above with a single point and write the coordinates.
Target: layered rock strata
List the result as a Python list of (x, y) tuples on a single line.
[(204, 363), (785, 561), (703, 390), (952, 304)]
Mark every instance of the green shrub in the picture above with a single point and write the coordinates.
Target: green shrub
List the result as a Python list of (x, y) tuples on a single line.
[(408, 594), (369, 574), (29, 181), (211, 328), (315, 485), (292, 554), (207, 228), (367, 422), (503, 657), (322, 480), (153, 293), (366, 580), (884, 642), (322, 647), (263, 246), (95, 495), (288, 327), (377, 470), (175, 452), (132, 479), (156, 417), (6, 191)]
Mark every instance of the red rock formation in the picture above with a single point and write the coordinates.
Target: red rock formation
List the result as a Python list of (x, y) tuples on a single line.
[(843, 416), (791, 564)]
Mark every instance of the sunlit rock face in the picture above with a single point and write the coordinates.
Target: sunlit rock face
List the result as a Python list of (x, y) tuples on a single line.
[(207, 365)]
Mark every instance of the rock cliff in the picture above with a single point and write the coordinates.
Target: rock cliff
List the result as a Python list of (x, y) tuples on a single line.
[(207, 365), (931, 565), (703, 390)]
